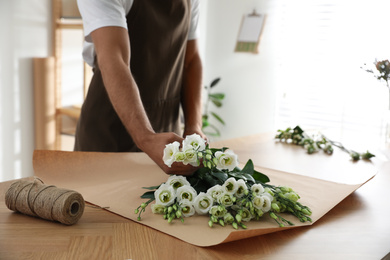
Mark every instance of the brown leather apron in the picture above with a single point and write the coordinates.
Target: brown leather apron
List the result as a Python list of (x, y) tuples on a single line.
[(158, 36)]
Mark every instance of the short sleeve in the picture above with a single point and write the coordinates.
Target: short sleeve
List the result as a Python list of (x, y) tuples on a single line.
[(193, 30), (102, 13)]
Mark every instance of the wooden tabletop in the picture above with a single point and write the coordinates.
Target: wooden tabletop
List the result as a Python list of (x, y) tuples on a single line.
[(357, 228)]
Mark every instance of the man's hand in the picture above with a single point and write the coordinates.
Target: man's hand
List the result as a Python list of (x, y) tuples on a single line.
[(154, 146)]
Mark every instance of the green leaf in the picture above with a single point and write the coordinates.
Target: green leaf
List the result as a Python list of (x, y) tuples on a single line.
[(214, 82), (218, 118), (218, 96), (148, 195), (221, 176), (249, 168), (216, 102), (152, 187), (260, 177)]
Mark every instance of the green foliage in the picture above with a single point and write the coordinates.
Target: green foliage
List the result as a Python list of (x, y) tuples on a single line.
[(216, 99)]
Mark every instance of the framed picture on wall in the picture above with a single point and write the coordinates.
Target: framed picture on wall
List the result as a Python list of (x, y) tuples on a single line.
[(248, 39)]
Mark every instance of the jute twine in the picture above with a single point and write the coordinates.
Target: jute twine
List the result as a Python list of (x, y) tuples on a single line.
[(48, 202)]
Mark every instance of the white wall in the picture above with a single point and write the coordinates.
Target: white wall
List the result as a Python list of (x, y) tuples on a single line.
[(246, 79), (25, 33)]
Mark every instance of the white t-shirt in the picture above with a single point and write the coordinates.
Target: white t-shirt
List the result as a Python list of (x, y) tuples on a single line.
[(102, 13)]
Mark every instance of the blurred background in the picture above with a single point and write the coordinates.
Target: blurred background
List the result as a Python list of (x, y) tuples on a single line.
[(307, 71)]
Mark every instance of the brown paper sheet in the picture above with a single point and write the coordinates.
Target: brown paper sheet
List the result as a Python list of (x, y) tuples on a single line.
[(115, 180)]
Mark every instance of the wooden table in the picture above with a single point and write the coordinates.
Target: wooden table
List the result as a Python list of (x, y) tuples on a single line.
[(357, 228)]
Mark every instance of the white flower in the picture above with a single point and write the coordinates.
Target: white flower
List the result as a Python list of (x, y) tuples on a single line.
[(257, 189), (226, 160), (258, 202), (262, 202), (187, 208), (170, 152), (165, 195), (158, 208), (217, 211), (179, 156), (202, 204), (230, 186), (241, 188), (176, 181), (186, 192), (215, 192), (266, 204), (246, 215), (191, 157), (226, 199), (195, 142)]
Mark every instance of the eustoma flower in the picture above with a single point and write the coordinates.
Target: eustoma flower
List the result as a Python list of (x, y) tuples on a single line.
[(226, 160), (170, 153), (165, 195), (229, 195), (203, 202)]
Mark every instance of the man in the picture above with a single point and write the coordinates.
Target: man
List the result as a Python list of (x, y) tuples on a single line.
[(146, 64)]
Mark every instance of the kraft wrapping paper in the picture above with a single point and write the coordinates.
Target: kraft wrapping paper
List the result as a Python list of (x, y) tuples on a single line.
[(115, 180)]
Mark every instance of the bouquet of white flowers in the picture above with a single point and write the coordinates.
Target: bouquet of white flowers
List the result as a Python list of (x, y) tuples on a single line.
[(219, 189)]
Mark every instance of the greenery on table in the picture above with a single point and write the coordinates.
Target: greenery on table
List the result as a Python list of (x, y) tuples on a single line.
[(298, 136)]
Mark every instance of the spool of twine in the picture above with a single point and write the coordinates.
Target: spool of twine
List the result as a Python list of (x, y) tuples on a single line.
[(48, 202)]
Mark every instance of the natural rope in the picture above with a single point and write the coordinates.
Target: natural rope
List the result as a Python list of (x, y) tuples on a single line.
[(36, 199)]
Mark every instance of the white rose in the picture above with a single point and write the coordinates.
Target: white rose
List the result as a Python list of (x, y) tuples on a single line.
[(165, 195), (186, 192), (195, 142), (230, 186), (187, 208), (215, 192), (176, 181), (226, 160), (202, 204), (170, 152)]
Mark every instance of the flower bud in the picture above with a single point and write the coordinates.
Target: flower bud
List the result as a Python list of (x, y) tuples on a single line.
[(306, 211), (209, 165), (238, 218), (272, 215), (170, 209), (136, 211), (200, 155), (143, 205), (215, 161), (235, 226), (221, 222), (208, 157), (275, 207), (210, 223), (139, 218), (174, 207), (178, 214)]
